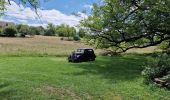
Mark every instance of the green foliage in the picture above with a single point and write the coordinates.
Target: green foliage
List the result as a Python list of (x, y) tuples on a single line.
[(164, 45), (157, 68), (33, 31), (50, 31), (81, 32), (65, 31), (1, 32), (76, 38), (135, 23), (10, 32), (23, 30), (39, 30), (2, 7)]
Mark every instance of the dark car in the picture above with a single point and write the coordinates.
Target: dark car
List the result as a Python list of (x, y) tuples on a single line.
[(81, 55)]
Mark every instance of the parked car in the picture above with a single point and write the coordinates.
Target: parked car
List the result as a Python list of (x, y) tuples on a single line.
[(81, 55)]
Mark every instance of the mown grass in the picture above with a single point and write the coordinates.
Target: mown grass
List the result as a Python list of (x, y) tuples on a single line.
[(37, 68), (107, 78)]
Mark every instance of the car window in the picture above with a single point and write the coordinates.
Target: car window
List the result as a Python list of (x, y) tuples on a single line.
[(90, 50), (80, 50)]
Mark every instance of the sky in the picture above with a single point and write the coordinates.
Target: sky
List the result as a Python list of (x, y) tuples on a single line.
[(51, 11)]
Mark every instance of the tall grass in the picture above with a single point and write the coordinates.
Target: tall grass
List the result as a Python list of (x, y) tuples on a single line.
[(38, 46)]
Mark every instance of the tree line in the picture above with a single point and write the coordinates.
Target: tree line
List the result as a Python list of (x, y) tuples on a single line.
[(62, 30)]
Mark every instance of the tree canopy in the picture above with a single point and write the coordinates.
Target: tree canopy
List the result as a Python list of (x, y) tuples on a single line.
[(127, 24), (65, 30)]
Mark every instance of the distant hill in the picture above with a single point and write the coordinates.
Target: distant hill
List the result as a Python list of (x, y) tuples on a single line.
[(4, 24)]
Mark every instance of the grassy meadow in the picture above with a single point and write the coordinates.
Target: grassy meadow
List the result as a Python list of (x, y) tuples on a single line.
[(37, 69), (37, 46)]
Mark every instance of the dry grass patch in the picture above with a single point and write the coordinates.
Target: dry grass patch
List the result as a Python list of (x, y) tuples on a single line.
[(63, 93), (144, 50), (48, 46), (39, 45)]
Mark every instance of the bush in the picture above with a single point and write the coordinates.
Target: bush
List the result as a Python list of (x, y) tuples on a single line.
[(1, 33), (10, 32), (157, 68), (76, 38), (22, 34), (49, 33), (61, 38), (67, 38)]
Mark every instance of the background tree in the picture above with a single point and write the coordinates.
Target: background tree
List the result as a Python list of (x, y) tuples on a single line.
[(60, 30), (127, 24), (23, 30), (40, 30), (65, 31), (33, 31), (81, 32), (50, 31), (10, 31)]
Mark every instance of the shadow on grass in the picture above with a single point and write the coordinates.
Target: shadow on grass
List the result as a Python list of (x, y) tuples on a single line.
[(123, 68), (5, 91)]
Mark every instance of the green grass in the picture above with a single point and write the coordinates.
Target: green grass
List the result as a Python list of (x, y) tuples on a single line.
[(108, 78)]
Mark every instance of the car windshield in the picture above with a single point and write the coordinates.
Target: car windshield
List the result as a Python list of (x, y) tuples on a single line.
[(80, 50)]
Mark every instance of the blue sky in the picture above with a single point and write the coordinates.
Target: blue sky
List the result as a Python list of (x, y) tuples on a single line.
[(68, 6), (52, 11)]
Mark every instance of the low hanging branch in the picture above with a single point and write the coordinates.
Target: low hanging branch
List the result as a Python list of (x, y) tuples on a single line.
[(116, 43), (128, 25), (33, 3)]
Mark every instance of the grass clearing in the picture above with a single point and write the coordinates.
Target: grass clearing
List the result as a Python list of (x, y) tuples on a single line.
[(44, 78), (36, 68)]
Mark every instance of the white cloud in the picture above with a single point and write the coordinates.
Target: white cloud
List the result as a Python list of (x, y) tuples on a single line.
[(19, 14)]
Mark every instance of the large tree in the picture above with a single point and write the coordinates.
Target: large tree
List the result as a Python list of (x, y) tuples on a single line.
[(126, 24)]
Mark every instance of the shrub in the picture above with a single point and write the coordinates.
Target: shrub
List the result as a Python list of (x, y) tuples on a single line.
[(157, 68), (66, 38), (81, 32), (61, 38), (76, 38), (22, 34), (49, 32), (1, 33), (10, 32)]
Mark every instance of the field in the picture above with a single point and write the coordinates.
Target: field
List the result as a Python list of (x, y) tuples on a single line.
[(38, 46), (27, 74)]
